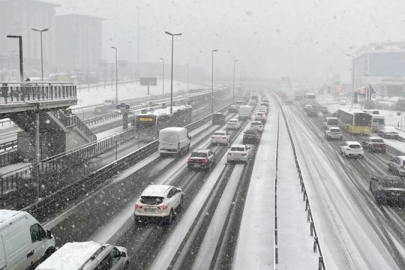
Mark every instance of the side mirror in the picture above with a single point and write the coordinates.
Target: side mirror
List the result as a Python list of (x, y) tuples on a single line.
[(48, 234), (123, 254)]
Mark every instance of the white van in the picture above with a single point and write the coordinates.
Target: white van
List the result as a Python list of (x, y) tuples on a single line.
[(245, 112), (173, 140), (23, 241)]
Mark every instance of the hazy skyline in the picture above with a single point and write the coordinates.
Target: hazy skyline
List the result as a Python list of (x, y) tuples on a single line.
[(270, 38)]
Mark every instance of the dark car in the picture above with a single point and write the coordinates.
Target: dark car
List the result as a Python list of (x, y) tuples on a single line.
[(323, 110), (233, 109), (201, 159), (312, 113), (218, 119), (374, 144), (387, 188), (251, 135)]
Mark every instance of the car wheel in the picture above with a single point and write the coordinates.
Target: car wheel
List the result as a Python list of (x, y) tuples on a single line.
[(181, 206), (170, 218), (378, 200), (138, 220)]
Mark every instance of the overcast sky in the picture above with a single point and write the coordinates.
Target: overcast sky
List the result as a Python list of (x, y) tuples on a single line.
[(299, 38)]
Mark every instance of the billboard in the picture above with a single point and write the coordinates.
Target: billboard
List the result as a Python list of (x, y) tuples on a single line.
[(148, 81)]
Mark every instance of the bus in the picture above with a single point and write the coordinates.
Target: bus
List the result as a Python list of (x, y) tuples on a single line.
[(354, 121), (148, 123)]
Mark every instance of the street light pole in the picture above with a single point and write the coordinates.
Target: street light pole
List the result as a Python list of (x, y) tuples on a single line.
[(42, 58), (187, 77), (171, 80), (21, 55), (116, 74), (352, 56), (234, 69), (212, 82), (163, 76)]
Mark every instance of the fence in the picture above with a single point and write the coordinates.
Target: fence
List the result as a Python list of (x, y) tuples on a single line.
[(58, 163), (310, 218), (38, 91)]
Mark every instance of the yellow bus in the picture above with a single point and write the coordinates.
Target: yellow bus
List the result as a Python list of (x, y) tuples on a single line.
[(355, 121)]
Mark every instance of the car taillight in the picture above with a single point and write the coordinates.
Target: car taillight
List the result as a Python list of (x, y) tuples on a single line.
[(204, 160), (244, 154), (162, 207), (138, 206), (229, 154), (224, 137), (189, 160)]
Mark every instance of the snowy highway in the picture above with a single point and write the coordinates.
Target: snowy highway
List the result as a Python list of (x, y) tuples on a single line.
[(248, 216)]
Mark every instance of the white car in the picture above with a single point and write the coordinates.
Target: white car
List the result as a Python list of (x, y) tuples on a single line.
[(333, 133), (258, 125), (220, 137), (238, 153), (263, 109), (233, 124), (260, 116), (388, 132), (352, 149), (159, 201)]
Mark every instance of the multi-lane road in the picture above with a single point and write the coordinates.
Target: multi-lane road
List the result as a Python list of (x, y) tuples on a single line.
[(228, 218)]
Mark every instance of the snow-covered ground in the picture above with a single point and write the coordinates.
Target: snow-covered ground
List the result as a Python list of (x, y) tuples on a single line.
[(13, 167), (98, 94)]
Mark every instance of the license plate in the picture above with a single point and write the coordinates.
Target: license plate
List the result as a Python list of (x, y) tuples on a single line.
[(149, 209)]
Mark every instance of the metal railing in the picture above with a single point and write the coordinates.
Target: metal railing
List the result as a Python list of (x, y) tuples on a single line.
[(72, 120), (36, 91), (64, 196), (8, 145), (310, 218)]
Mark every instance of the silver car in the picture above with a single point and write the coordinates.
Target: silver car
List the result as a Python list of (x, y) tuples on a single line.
[(397, 165), (333, 133)]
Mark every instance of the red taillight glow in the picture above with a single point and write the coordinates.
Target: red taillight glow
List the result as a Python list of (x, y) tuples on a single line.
[(162, 207), (189, 160), (229, 154), (204, 160), (244, 154), (138, 206)]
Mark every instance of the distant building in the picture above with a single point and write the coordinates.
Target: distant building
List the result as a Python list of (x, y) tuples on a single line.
[(79, 42), (383, 66), (17, 17)]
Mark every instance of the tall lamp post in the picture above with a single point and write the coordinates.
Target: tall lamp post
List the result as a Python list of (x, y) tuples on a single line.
[(42, 58), (212, 82), (21, 55), (187, 77), (352, 56), (116, 74), (163, 75), (234, 69), (171, 80)]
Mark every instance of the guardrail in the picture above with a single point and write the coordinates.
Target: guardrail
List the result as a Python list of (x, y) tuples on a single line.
[(36, 91), (63, 197), (8, 145), (310, 218), (60, 162)]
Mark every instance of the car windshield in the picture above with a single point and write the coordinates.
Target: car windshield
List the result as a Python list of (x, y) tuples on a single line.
[(377, 141), (354, 146), (237, 149), (251, 131), (332, 122), (219, 133), (335, 130), (256, 124), (151, 200), (198, 154), (394, 183)]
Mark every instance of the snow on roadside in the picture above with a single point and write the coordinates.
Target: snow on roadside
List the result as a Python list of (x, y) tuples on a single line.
[(293, 228), (255, 247)]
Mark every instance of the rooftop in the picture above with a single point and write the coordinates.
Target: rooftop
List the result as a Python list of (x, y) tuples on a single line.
[(156, 190), (71, 256), (6, 214)]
